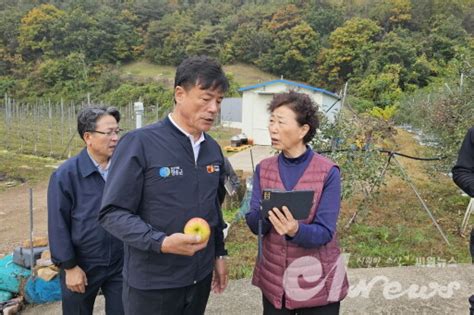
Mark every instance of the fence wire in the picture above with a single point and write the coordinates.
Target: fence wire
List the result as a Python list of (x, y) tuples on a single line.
[(50, 129)]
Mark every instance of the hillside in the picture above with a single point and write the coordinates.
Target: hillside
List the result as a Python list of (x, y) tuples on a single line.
[(243, 74)]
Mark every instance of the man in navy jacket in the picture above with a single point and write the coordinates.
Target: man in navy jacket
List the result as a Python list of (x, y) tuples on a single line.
[(88, 256), (161, 176)]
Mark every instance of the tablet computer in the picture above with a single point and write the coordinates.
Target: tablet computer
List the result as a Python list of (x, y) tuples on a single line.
[(299, 202)]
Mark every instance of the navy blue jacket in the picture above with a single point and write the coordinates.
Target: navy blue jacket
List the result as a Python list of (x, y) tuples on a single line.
[(463, 171), (75, 235), (154, 187)]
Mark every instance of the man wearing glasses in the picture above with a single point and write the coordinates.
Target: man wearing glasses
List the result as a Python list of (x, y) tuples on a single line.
[(88, 256)]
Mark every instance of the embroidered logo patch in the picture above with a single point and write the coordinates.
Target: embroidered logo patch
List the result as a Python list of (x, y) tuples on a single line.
[(176, 171), (170, 171), (164, 172), (213, 168)]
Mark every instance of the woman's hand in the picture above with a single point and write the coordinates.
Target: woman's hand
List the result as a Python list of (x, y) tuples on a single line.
[(283, 221)]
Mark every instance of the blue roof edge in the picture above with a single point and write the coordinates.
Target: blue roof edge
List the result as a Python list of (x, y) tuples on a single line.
[(301, 85)]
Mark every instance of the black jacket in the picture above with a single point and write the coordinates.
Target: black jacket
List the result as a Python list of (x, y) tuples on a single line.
[(463, 171)]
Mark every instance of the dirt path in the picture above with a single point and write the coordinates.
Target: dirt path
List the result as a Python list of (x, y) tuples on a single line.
[(15, 218)]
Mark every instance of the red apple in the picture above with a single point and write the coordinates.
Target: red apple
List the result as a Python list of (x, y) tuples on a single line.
[(198, 226)]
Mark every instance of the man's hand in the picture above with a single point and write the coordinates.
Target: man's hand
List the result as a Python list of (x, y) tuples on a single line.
[(76, 279), (182, 244), (220, 278), (283, 221)]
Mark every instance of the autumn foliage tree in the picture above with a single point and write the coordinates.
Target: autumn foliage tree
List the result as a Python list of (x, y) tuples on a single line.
[(383, 48), (348, 55)]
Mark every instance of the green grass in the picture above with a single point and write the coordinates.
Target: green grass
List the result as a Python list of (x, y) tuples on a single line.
[(230, 214), (243, 74), (242, 247), (388, 246), (18, 168)]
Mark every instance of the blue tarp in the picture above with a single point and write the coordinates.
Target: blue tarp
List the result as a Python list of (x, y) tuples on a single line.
[(11, 275)]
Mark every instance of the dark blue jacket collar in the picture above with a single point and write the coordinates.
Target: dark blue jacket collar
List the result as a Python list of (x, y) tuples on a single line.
[(86, 166), (168, 123)]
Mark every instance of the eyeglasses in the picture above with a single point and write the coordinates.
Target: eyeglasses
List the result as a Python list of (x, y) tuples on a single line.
[(108, 133)]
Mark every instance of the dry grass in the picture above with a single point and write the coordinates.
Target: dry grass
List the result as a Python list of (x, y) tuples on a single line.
[(396, 227), (149, 70), (395, 230), (248, 75)]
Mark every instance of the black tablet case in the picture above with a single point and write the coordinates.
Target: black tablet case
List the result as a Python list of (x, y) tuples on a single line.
[(299, 202)]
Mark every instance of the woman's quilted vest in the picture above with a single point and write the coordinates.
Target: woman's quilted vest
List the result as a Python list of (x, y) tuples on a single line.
[(307, 277)]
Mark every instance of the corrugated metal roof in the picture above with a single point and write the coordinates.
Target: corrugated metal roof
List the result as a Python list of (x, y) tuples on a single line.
[(300, 85)]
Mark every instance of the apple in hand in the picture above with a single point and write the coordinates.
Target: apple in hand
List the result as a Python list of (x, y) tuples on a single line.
[(198, 226)]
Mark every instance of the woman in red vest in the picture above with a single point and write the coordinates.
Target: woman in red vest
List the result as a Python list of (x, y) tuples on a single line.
[(299, 269)]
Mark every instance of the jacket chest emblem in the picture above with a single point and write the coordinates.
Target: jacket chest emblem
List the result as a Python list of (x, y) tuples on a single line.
[(213, 168), (164, 172)]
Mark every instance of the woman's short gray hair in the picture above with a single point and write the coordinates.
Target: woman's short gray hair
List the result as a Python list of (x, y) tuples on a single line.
[(88, 117)]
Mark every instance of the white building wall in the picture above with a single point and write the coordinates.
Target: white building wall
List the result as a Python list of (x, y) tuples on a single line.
[(317, 97), (231, 124), (254, 108), (329, 101), (261, 117), (249, 100)]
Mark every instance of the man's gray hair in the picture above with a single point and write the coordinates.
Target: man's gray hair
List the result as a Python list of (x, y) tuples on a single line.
[(88, 117)]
